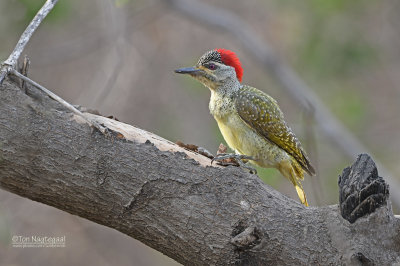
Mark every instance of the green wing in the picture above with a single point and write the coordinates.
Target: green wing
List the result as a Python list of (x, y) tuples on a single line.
[(261, 112)]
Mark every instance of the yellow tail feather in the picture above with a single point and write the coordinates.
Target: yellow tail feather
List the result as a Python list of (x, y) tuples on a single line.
[(302, 195), (294, 172)]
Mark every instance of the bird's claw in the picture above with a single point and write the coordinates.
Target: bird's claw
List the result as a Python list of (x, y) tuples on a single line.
[(236, 160)]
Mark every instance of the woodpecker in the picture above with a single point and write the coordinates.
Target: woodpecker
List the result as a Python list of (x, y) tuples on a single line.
[(250, 121)]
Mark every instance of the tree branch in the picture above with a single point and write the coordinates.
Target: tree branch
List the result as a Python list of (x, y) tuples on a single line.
[(172, 199), (12, 60), (219, 18), (67, 105)]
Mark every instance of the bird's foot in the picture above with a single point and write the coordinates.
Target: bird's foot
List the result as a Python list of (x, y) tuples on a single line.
[(226, 159)]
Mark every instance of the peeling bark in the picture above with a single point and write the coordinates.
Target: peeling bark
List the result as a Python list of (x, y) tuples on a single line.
[(174, 201)]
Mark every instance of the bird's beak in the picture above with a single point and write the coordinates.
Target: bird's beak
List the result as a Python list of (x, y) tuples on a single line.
[(188, 70)]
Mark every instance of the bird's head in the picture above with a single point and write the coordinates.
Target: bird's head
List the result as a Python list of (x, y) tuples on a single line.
[(215, 68)]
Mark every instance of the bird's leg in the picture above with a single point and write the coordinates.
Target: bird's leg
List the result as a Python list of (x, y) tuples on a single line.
[(236, 159), (234, 156)]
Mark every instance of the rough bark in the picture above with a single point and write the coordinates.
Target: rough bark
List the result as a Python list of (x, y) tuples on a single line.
[(171, 199), (362, 190)]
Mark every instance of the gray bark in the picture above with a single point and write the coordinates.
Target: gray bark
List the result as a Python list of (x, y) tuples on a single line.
[(171, 199)]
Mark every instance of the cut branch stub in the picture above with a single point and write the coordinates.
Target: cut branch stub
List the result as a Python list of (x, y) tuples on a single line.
[(362, 190)]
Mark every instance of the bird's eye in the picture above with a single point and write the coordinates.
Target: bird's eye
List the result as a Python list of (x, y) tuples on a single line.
[(211, 66)]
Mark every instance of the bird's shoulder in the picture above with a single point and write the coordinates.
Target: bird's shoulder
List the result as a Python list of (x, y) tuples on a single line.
[(257, 104)]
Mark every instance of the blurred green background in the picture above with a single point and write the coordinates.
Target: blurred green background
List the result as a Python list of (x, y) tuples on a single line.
[(118, 57)]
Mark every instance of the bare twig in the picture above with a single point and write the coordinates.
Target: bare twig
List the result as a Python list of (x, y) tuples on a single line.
[(60, 100), (12, 60), (9, 65), (286, 76), (24, 71)]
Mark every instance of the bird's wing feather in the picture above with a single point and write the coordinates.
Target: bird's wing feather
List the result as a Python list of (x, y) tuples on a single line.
[(261, 112)]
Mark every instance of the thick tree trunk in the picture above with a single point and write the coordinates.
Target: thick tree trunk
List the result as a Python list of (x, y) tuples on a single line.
[(172, 200)]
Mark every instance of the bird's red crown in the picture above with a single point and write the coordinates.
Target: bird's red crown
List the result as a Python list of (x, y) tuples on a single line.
[(229, 58)]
